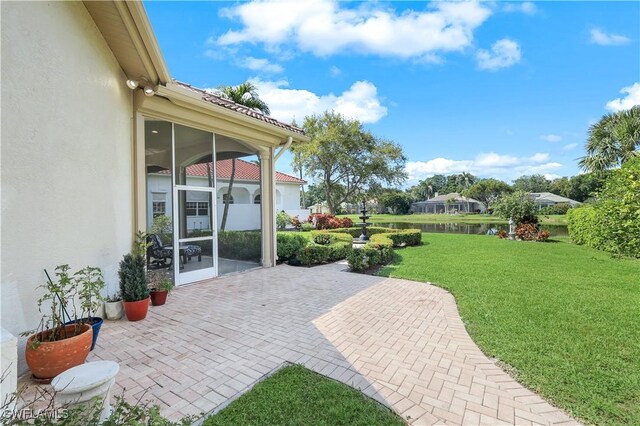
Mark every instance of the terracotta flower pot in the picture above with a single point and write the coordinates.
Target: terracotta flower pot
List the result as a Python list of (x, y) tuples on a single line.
[(159, 297), (52, 358), (136, 311)]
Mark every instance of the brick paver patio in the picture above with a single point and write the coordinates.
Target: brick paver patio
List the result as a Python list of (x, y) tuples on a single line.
[(400, 342)]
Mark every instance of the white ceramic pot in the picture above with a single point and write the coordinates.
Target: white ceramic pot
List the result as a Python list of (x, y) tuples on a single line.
[(113, 310)]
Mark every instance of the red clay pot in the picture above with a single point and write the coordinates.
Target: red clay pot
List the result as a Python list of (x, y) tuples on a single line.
[(136, 311), (159, 297), (52, 358)]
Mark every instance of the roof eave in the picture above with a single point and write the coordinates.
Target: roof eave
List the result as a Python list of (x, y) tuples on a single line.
[(189, 99)]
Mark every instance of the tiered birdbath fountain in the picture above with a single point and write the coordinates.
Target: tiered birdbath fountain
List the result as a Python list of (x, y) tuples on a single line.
[(363, 238)]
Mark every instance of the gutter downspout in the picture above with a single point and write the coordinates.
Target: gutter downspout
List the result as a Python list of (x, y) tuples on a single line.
[(284, 148)]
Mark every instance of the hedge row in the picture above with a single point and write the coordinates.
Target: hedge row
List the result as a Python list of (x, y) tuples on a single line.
[(240, 245), (611, 224), (335, 244)]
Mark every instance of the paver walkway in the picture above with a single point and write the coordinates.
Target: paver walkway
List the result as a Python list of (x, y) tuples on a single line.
[(400, 342)]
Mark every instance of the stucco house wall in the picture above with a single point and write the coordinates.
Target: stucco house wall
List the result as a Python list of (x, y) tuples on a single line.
[(244, 213), (67, 185)]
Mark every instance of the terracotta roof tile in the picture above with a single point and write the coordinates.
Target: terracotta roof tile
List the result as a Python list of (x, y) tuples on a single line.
[(245, 170), (220, 101)]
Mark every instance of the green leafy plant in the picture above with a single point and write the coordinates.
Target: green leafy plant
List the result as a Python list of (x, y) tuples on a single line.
[(240, 245), (162, 227), (282, 220), (612, 223), (290, 244), (89, 283), (517, 206), (160, 280), (133, 279), (306, 227), (112, 298)]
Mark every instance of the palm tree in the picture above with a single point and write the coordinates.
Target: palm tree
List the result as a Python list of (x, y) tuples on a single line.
[(244, 94), (612, 141)]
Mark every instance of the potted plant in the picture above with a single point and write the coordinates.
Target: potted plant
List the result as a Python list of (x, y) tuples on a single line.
[(87, 284), (161, 285), (54, 347), (133, 286), (113, 307)]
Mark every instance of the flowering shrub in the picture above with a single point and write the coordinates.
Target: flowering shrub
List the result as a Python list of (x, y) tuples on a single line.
[(295, 222), (329, 221), (530, 232)]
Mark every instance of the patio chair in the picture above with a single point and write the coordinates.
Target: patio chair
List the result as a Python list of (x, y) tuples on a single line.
[(157, 253)]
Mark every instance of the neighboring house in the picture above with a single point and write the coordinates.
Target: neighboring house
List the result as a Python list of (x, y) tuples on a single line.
[(448, 203), (246, 195), (546, 199), (89, 113)]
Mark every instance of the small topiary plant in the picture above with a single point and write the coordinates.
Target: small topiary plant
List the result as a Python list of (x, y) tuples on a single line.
[(133, 279)]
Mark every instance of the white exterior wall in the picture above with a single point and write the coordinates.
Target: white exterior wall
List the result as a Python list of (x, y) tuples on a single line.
[(243, 214), (67, 181)]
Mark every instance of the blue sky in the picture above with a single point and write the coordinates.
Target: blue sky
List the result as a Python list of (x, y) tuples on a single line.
[(499, 89)]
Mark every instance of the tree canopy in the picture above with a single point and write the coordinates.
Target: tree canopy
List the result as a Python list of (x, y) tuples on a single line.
[(532, 183), (612, 141), (488, 191), (346, 158)]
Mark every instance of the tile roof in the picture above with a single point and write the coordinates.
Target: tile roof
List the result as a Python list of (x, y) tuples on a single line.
[(220, 101), (245, 170), (550, 197), (451, 196)]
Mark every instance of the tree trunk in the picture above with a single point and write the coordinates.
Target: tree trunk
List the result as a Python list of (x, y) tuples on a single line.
[(304, 202), (228, 200)]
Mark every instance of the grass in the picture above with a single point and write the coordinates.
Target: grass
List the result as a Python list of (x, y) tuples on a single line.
[(564, 318), (297, 396), (450, 218)]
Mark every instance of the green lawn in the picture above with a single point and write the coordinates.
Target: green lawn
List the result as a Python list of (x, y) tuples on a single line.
[(449, 218), (297, 396), (565, 319)]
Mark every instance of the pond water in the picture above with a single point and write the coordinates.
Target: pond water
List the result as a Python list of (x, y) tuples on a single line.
[(468, 228)]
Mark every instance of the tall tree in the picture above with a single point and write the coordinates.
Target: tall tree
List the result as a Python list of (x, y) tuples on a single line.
[(244, 94), (532, 183), (488, 191), (342, 154), (612, 141)]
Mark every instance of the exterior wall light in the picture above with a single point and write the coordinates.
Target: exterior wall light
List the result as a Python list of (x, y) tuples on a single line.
[(149, 91), (132, 84)]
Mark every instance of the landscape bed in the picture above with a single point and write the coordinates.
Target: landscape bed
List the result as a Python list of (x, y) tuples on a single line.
[(562, 318)]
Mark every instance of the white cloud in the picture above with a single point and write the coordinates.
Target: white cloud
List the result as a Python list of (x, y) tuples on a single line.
[(631, 99), (570, 146), (599, 36), (326, 27), (551, 138), (526, 7), (491, 164), (260, 64), (359, 102), (335, 71), (504, 53)]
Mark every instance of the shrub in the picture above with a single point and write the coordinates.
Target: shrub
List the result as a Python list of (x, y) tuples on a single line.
[(517, 206), (345, 222), (240, 245), (295, 222), (561, 208), (290, 244), (133, 279), (306, 227), (582, 224), (282, 220), (329, 221), (612, 224), (323, 237), (531, 232), (502, 234), (315, 254)]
